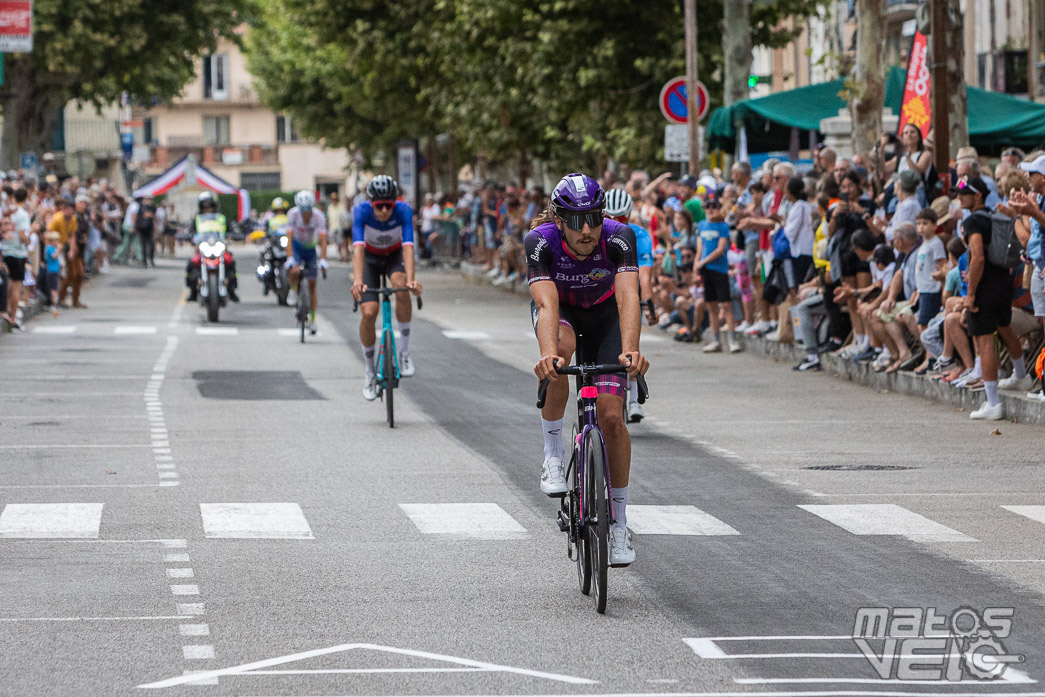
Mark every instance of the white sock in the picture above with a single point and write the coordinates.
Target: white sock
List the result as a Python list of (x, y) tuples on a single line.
[(620, 503), (553, 446), (863, 340), (976, 372), (633, 390), (368, 355), (991, 388), (812, 358), (1019, 368), (404, 342)]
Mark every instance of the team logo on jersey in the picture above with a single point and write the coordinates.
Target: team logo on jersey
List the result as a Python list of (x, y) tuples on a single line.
[(538, 248), (597, 275), (620, 243), (384, 240)]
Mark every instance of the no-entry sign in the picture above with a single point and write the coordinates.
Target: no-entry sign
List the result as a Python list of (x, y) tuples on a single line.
[(674, 103), (16, 26)]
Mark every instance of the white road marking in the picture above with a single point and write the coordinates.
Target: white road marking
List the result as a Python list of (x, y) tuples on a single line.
[(477, 521), (133, 330), (78, 486), (91, 619), (42, 520), (189, 609), (1035, 513), (465, 335), (255, 520), (705, 648), (200, 681), (675, 520), (1011, 676), (246, 668), (283, 331), (197, 653), (175, 557), (180, 573), (194, 629), (364, 671), (885, 519), (55, 329), (189, 589), (217, 331), (1008, 561)]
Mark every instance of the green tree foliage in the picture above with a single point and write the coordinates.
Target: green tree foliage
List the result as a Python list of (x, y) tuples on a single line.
[(94, 50), (572, 81)]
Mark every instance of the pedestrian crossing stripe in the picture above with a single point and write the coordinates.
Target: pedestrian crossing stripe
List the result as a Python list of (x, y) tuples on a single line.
[(217, 331), (126, 330), (55, 329), (475, 521), (675, 520), (886, 519), (255, 521), (1035, 513), (51, 520), (465, 335)]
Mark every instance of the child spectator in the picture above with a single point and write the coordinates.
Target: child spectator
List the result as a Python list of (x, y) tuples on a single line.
[(929, 272), (935, 338), (53, 265), (713, 266)]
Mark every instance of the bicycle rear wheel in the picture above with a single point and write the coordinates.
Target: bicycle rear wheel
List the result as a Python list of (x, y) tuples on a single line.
[(596, 516), (389, 376), (302, 310)]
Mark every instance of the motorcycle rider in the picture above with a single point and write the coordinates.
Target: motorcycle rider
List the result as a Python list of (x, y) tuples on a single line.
[(278, 217), (209, 220)]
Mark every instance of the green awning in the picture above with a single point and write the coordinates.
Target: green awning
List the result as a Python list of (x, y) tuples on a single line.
[(995, 120)]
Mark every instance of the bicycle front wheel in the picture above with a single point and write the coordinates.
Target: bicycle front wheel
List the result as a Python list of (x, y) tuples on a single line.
[(596, 516), (302, 311), (579, 539), (388, 353)]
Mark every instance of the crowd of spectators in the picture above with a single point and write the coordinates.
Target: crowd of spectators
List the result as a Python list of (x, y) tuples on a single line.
[(870, 260), (56, 231)]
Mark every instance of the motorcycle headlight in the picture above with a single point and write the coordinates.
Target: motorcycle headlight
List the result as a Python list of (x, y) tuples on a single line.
[(262, 270), (212, 249), (283, 241)]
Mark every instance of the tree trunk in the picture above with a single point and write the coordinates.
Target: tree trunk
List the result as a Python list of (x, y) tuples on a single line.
[(524, 170), (869, 98), (30, 112), (957, 101), (736, 50)]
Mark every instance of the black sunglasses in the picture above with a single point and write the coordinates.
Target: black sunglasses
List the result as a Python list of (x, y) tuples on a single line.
[(576, 221), (384, 205)]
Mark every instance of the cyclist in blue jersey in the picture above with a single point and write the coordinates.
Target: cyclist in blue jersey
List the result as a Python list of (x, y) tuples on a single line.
[(618, 207), (306, 228), (583, 276), (381, 228)]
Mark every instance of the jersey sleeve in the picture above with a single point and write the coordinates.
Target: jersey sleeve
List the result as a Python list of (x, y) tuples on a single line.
[(320, 222), (621, 249), (358, 216), (407, 219), (539, 258), (643, 247)]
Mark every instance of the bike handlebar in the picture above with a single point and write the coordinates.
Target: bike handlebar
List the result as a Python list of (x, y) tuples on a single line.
[(592, 369), (385, 292)]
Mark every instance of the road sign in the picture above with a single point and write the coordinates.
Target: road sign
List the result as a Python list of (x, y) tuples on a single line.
[(674, 102), (127, 145), (16, 26), (676, 142), (28, 160)]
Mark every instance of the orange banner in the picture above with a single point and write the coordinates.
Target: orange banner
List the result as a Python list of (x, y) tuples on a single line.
[(916, 107)]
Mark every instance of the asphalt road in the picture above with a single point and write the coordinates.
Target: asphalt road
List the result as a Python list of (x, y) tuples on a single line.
[(214, 509)]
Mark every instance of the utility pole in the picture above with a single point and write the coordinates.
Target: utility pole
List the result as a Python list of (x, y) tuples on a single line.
[(1033, 50), (941, 121), (689, 16)]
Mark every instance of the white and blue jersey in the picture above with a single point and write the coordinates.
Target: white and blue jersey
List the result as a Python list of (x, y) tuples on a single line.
[(383, 238), (643, 245)]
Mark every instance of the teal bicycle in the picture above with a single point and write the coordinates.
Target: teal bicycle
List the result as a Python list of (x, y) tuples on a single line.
[(387, 359)]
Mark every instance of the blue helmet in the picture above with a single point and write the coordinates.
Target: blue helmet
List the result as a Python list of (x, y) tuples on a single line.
[(575, 193)]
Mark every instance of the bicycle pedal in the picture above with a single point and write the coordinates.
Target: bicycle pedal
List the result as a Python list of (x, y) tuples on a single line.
[(562, 521)]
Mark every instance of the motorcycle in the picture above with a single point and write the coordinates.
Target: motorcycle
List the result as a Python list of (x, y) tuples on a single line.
[(271, 260), (213, 283)]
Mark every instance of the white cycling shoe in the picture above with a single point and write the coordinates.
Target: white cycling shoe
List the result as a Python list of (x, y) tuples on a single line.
[(635, 412), (370, 388), (312, 328), (553, 479), (406, 365), (622, 550)]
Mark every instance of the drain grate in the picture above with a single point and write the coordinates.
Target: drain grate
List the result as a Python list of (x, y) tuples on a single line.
[(254, 385), (852, 468)]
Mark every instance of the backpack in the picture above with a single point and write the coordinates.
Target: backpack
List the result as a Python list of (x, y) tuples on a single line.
[(781, 245), (1004, 250)]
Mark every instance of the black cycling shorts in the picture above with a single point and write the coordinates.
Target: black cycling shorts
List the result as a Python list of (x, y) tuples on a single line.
[(597, 329), (377, 265)]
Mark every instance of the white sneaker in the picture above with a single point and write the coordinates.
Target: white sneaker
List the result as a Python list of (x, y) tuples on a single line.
[(370, 388), (664, 321), (988, 413), (622, 549), (493, 272), (713, 346), (406, 366), (743, 326), (635, 413), (1038, 396), (553, 479), (734, 345), (772, 336), (1014, 383), (500, 280), (512, 277)]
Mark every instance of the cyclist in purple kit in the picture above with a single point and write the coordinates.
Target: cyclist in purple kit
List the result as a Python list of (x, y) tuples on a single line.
[(583, 276)]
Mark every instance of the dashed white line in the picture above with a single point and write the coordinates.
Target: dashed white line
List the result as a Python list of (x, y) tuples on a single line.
[(187, 589)]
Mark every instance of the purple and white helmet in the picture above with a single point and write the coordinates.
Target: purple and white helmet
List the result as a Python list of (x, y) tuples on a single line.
[(577, 193)]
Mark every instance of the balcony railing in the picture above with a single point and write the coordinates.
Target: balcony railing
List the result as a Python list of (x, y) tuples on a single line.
[(217, 155)]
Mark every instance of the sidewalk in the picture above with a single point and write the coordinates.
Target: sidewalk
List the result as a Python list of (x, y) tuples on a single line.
[(1017, 407)]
